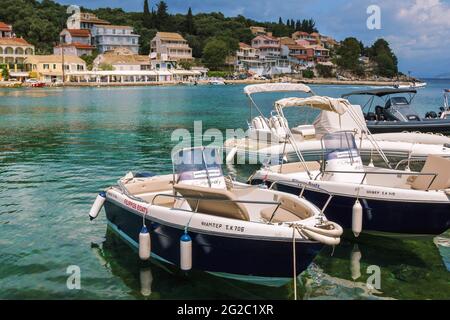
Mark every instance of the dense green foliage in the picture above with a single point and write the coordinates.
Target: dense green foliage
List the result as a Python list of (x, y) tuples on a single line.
[(349, 53), (324, 71), (212, 36), (381, 53), (41, 21), (214, 53), (308, 74)]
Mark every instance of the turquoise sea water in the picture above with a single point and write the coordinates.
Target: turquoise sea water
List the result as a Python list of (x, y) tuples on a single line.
[(59, 147)]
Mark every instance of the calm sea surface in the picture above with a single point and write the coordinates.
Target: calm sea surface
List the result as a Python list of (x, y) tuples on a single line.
[(59, 147)]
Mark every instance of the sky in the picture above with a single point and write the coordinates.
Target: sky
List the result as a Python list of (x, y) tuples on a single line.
[(418, 30)]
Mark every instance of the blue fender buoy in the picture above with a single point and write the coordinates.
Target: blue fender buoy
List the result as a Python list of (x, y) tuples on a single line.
[(144, 244), (185, 252)]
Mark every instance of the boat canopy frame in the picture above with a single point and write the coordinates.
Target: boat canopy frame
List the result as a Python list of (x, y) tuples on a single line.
[(272, 87), (384, 94), (337, 105)]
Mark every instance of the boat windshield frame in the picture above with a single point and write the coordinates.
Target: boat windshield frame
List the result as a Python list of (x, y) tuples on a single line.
[(204, 160), (351, 146)]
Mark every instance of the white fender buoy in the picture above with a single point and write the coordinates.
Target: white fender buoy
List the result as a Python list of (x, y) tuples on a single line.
[(355, 262), (97, 206), (146, 278), (371, 165), (185, 252), (231, 154), (144, 244), (357, 217)]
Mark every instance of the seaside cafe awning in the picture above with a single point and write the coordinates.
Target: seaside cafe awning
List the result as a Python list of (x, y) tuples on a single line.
[(276, 87), (339, 106)]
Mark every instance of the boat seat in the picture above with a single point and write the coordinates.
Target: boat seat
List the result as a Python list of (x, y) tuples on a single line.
[(297, 167), (438, 165), (150, 185), (306, 131), (289, 210), (217, 202)]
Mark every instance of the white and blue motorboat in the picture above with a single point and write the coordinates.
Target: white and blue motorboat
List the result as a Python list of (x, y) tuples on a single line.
[(366, 198), (266, 137), (197, 218)]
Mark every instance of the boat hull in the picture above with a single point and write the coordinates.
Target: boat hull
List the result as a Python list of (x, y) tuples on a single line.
[(426, 126), (214, 253), (400, 217)]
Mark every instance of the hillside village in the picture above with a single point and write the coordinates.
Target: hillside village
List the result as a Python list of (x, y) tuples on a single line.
[(94, 50)]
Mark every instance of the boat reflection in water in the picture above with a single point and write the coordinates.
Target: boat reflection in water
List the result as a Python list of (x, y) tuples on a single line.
[(410, 269), (154, 279)]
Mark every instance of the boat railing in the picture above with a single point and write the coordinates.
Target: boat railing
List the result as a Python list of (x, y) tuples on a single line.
[(198, 199), (125, 191), (303, 185), (408, 162), (397, 173)]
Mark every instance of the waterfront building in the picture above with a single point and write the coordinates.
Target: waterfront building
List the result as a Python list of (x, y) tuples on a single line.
[(170, 46), (85, 33), (122, 59), (320, 53), (298, 54), (49, 68), (84, 20), (267, 46), (110, 37), (245, 53), (74, 42), (14, 50), (5, 30)]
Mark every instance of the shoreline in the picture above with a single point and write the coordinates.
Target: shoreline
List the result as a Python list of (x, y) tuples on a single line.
[(317, 81)]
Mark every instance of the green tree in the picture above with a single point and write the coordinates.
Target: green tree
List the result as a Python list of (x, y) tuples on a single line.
[(147, 16), (387, 62), (349, 53), (215, 53), (162, 16), (189, 27)]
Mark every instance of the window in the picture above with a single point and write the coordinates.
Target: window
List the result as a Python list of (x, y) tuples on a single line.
[(46, 66), (54, 66)]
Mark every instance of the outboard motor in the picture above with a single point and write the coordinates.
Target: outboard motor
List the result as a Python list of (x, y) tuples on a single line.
[(342, 158)]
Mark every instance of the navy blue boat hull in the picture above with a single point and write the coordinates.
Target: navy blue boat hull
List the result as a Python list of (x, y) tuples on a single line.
[(409, 218), (215, 253)]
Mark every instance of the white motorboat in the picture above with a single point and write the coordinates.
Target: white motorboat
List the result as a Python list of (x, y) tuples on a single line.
[(366, 198), (197, 218), (266, 137), (217, 82)]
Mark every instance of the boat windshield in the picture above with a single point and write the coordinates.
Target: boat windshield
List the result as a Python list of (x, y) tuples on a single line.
[(339, 145), (198, 166), (398, 101)]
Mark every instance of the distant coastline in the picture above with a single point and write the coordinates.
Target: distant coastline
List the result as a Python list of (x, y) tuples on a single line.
[(317, 81)]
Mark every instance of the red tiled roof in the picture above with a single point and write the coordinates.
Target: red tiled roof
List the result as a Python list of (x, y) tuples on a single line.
[(295, 46), (79, 32), (14, 42), (5, 27), (77, 45), (244, 45)]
